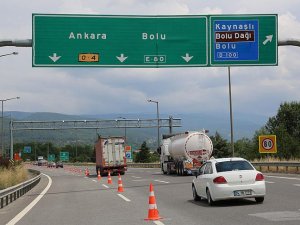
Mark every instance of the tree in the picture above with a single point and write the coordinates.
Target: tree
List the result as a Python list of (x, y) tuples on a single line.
[(221, 147), (286, 126), (144, 155)]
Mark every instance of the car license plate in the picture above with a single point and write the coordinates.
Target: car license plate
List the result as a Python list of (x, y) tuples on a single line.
[(242, 193)]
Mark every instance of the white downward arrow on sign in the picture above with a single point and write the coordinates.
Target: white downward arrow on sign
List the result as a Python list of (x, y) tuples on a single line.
[(122, 58), (54, 58), (268, 39), (187, 57)]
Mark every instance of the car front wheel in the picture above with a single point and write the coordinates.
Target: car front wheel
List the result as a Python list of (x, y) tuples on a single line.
[(209, 199), (195, 195), (259, 199)]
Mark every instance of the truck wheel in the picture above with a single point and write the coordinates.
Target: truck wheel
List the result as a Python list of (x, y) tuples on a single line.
[(168, 170), (162, 169)]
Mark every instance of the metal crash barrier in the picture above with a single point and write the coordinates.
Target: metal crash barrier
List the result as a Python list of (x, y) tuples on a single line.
[(9, 195)]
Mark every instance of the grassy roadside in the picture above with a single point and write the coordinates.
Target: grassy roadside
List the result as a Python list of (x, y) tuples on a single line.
[(12, 176)]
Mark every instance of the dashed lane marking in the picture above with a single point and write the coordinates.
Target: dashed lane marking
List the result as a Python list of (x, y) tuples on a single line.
[(123, 197), (105, 186), (270, 182), (94, 180), (161, 181), (136, 177), (298, 185), (157, 222), (141, 180)]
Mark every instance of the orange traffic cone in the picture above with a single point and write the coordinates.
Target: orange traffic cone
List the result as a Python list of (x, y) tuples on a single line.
[(152, 212), (87, 172), (120, 184), (99, 175), (109, 180)]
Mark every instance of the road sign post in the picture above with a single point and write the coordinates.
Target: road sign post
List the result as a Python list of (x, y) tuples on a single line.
[(119, 41)]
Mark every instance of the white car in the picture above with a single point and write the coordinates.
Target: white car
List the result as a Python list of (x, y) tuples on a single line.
[(228, 178)]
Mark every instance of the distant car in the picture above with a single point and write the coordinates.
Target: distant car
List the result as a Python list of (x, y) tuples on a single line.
[(228, 178), (51, 164), (42, 162), (59, 164)]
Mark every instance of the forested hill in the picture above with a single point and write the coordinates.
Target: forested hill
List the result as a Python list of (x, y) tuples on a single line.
[(244, 126)]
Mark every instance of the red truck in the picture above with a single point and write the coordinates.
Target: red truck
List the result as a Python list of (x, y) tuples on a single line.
[(110, 155)]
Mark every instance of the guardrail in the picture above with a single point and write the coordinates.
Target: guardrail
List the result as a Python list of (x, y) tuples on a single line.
[(287, 167), (143, 165), (9, 195)]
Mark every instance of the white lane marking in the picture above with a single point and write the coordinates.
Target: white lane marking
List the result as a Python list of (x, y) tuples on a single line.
[(288, 178), (105, 186), (161, 181), (141, 180), (136, 177), (157, 222), (270, 182), (18, 217), (298, 185), (85, 177), (122, 196), (94, 180)]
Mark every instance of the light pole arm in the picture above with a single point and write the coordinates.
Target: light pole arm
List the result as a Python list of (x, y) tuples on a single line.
[(289, 42), (16, 43)]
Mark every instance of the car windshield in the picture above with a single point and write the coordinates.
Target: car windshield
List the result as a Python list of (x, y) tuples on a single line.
[(233, 165)]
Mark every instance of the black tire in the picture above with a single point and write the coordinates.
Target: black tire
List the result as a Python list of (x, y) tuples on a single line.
[(162, 169), (209, 199), (168, 169), (181, 168), (259, 199), (196, 197)]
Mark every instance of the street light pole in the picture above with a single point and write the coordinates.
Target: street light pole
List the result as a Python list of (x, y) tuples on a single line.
[(157, 115), (2, 123), (125, 141)]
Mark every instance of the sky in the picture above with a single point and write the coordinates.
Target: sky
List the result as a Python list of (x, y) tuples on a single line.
[(256, 90)]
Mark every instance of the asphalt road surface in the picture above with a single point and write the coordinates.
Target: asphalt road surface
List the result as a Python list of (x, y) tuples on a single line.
[(65, 196)]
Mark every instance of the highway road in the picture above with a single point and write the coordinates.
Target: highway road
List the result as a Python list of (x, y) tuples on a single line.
[(67, 197)]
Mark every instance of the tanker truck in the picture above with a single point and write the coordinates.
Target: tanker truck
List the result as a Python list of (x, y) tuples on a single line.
[(184, 153)]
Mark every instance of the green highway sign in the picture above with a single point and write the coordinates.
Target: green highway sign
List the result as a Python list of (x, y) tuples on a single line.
[(243, 40), (64, 156), (51, 158), (119, 41)]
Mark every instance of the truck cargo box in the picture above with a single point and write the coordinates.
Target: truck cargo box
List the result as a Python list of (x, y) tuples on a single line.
[(110, 155)]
